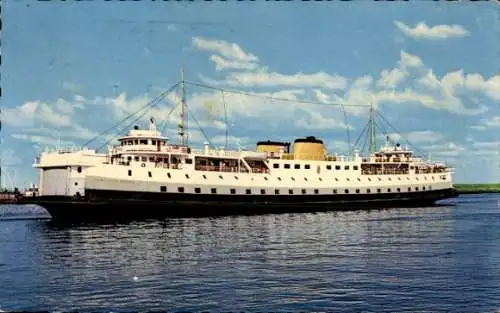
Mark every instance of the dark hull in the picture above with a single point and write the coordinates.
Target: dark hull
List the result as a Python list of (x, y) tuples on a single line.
[(102, 205)]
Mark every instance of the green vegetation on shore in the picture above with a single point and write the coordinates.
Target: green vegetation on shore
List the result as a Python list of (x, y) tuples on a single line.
[(477, 188)]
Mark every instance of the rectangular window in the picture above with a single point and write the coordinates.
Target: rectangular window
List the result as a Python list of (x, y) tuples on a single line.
[(262, 191), (307, 166), (248, 191), (297, 166), (276, 165), (328, 167), (346, 167), (149, 174), (337, 167), (180, 189), (287, 165), (163, 188), (189, 161), (276, 191), (355, 167), (197, 190), (213, 190), (233, 191), (129, 172)]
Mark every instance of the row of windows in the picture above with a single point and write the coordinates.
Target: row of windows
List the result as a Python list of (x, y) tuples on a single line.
[(157, 159), (291, 191), (292, 178), (308, 166), (142, 142)]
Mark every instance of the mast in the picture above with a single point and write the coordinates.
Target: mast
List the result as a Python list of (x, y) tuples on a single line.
[(183, 104), (373, 138)]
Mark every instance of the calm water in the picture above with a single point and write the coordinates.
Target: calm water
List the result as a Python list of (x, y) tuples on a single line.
[(441, 259)]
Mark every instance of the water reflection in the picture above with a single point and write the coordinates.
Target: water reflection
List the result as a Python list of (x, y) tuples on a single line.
[(379, 260)]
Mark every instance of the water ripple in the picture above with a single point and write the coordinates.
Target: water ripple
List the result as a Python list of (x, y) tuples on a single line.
[(445, 258)]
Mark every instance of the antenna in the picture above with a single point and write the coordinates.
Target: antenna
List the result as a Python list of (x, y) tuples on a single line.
[(225, 117), (373, 138), (183, 104)]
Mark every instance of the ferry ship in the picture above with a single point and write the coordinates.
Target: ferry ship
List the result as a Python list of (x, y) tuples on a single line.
[(146, 176)]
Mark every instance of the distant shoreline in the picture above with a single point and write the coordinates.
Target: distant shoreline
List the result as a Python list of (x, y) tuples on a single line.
[(477, 188)]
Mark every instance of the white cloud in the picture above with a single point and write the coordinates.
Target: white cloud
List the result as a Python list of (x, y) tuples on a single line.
[(10, 158), (438, 32), (430, 80), (222, 63), (41, 140), (493, 122), (233, 141), (71, 86), (486, 145), (320, 79), (32, 111), (489, 86), (337, 146), (316, 120), (391, 78), (229, 50), (446, 150), (433, 93), (409, 60), (425, 136), (363, 82)]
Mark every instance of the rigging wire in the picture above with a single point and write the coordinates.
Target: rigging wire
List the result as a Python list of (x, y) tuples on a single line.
[(251, 94), (403, 137), (348, 128), (130, 115), (150, 104), (201, 129), (361, 134), (164, 123)]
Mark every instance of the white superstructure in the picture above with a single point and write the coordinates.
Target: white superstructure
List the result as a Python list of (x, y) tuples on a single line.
[(144, 161)]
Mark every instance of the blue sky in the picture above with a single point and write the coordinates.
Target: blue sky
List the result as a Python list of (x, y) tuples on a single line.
[(73, 69)]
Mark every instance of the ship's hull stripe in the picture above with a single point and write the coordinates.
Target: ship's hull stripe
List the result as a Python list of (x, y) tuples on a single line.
[(115, 205)]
